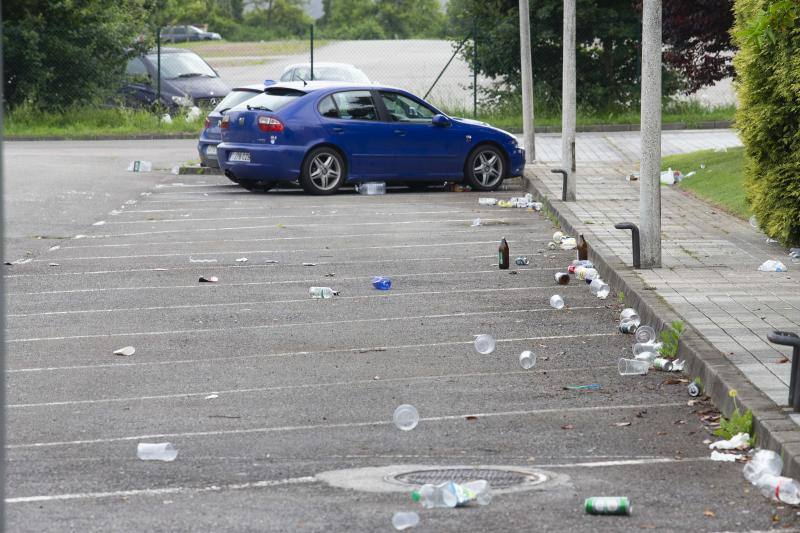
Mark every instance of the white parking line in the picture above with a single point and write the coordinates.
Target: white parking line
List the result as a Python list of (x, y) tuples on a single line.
[(271, 302), (292, 325), (277, 429), (237, 358), (270, 217), (332, 384)]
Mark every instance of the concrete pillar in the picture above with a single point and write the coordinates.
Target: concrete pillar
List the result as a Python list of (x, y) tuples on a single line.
[(526, 72), (568, 99), (650, 185)]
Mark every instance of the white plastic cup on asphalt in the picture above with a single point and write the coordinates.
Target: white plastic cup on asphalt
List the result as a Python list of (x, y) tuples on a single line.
[(645, 334), (646, 356), (556, 302), (632, 367), (156, 451), (641, 347), (406, 417), (527, 359), (484, 344), (631, 315), (404, 520)]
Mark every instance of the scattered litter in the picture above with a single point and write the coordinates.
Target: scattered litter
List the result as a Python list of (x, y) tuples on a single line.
[(175, 170), (677, 365), (330, 275), (56, 247), (764, 471), (772, 266), (556, 302), (725, 457), (405, 417), (457, 187), (645, 334), (76, 237), (632, 367), (382, 283), (405, 520), (527, 359), (484, 344), (470, 418), (209, 279), (632, 177), (522, 261), (140, 166), (166, 118), (322, 292), (694, 389), (371, 188), (157, 451), (668, 177), (212, 396), (659, 363), (241, 260), (271, 262), (128, 350), (307, 264), (590, 386), (621, 424), (54, 265), (192, 260), (193, 114), (567, 426), (22, 261), (616, 505), (476, 222), (451, 494), (690, 174), (599, 288), (740, 441), (562, 278), (487, 201), (99, 223), (569, 243)]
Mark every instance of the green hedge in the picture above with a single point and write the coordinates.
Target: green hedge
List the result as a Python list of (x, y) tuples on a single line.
[(768, 69)]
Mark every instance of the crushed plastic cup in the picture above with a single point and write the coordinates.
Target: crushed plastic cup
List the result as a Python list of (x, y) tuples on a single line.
[(632, 367), (556, 302), (382, 283), (599, 288), (763, 462), (404, 520), (557, 236), (569, 243), (476, 222), (630, 314), (521, 261), (405, 417), (487, 201), (645, 334), (641, 347), (754, 222), (140, 166), (156, 451), (527, 359), (484, 344), (668, 177), (646, 356), (322, 292), (372, 188), (772, 266), (128, 350)]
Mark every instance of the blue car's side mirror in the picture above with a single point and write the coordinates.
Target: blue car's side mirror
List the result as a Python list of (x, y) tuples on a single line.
[(440, 121)]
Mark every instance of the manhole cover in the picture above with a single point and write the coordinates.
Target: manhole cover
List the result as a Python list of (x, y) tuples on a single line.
[(498, 479)]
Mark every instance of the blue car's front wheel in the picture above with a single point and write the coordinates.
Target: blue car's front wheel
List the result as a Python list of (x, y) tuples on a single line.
[(323, 171), (486, 168)]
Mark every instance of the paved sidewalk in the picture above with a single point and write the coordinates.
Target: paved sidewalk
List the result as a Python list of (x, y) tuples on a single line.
[(709, 275)]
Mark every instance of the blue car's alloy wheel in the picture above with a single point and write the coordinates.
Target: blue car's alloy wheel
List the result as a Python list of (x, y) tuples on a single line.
[(485, 168), (323, 171)]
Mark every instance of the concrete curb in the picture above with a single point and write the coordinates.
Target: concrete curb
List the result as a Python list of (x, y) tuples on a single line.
[(142, 137), (773, 427), (199, 171)]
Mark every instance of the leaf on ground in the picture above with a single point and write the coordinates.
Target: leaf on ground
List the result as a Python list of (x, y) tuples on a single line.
[(567, 426), (674, 381), (661, 433), (782, 360), (471, 418), (679, 422)]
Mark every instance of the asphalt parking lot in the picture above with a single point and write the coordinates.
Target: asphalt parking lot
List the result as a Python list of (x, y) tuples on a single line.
[(305, 389)]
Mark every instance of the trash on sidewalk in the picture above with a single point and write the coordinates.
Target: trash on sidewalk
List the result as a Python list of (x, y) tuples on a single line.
[(404, 520), (241, 260), (476, 222), (569, 243), (484, 344), (725, 457), (562, 278), (599, 288), (645, 334), (621, 424), (156, 451), (573, 266), (556, 302), (522, 261), (632, 367), (140, 166), (487, 201), (642, 347), (527, 359), (307, 264), (382, 283), (192, 260), (128, 350), (740, 441), (764, 471), (322, 292), (694, 389), (209, 279), (451, 494), (405, 417), (794, 253), (772, 266), (616, 505), (212, 396), (659, 363), (590, 386), (372, 188)]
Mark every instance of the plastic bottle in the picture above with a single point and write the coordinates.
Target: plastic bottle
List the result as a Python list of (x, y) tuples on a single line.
[(405, 520), (381, 283), (156, 451), (405, 417), (451, 494), (779, 488), (322, 292), (582, 248), (599, 288), (562, 278), (763, 462), (372, 188), (527, 359), (484, 344), (556, 302), (503, 255), (645, 334)]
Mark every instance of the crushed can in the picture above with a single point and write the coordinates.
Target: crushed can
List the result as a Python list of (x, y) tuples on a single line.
[(616, 505), (661, 363), (694, 389), (627, 327), (521, 261), (562, 278)]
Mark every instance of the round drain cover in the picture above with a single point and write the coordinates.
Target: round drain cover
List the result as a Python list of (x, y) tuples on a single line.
[(498, 479)]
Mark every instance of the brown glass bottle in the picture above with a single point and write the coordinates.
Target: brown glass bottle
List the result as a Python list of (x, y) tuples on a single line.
[(503, 256), (583, 249)]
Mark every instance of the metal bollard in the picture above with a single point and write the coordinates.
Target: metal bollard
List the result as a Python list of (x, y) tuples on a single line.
[(785, 338), (564, 183), (637, 259)]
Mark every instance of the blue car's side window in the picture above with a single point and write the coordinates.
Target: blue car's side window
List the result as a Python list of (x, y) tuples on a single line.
[(355, 105), (403, 109), (327, 108)]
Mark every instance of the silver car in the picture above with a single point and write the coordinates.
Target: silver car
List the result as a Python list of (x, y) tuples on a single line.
[(324, 71)]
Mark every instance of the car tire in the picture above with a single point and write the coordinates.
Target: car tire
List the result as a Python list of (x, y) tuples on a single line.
[(257, 186), (485, 168), (323, 171)]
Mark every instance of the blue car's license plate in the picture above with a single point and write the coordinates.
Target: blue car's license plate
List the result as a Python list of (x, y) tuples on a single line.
[(239, 156), (211, 150)]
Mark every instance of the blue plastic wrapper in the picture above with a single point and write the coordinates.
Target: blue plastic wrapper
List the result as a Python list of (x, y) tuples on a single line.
[(381, 283)]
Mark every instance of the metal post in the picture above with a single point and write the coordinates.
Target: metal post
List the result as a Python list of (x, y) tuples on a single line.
[(158, 67), (312, 51), (2, 314), (650, 183), (526, 72), (569, 100), (474, 70), (787, 338)]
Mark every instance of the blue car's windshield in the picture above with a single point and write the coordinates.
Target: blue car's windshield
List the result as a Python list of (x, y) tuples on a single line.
[(182, 65)]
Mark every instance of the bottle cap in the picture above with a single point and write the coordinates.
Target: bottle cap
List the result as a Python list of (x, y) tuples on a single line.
[(415, 496)]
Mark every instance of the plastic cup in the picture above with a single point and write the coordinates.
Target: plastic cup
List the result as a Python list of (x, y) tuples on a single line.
[(484, 344), (641, 347), (645, 334), (556, 302), (632, 367), (156, 451), (527, 359), (631, 315), (646, 356), (406, 417)]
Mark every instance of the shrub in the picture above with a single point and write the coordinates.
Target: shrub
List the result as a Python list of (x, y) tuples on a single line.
[(768, 67)]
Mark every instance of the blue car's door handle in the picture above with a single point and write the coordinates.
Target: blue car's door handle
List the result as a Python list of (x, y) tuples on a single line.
[(337, 129), (400, 132)]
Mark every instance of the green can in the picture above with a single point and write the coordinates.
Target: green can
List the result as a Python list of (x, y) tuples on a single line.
[(619, 505)]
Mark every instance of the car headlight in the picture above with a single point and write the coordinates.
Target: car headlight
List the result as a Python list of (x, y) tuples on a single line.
[(183, 101)]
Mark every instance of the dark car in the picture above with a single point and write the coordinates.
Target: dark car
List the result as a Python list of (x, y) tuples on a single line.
[(210, 136), (186, 80), (327, 134), (183, 34)]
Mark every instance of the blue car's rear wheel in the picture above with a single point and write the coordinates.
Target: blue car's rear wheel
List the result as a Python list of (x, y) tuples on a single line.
[(323, 171), (486, 168)]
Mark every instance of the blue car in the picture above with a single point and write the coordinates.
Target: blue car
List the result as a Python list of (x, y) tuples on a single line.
[(325, 135), (210, 136)]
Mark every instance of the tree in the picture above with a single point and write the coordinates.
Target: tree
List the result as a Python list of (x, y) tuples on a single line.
[(352, 19), (403, 19), (698, 39)]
